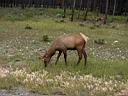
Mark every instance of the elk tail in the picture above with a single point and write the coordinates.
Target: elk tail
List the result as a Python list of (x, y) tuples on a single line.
[(84, 37)]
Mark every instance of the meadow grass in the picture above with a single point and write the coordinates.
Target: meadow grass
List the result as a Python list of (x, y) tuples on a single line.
[(8, 82), (20, 47)]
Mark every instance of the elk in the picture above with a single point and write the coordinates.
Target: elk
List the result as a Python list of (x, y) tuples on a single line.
[(65, 42), (102, 19)]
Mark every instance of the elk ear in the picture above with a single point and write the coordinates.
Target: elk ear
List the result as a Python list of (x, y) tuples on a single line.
[(46, 56), (43, 56)]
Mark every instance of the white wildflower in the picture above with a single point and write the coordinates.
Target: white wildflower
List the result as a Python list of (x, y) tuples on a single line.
[(115, 41)]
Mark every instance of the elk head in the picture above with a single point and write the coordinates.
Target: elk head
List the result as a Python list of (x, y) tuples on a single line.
[(46, 58)]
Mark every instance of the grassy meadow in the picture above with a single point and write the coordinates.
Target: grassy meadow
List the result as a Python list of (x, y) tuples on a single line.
[(22, 41)]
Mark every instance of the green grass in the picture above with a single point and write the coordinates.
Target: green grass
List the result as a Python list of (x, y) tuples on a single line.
[(16, 29), (96, 67), (36, 14), (20, 47), (8, 82)]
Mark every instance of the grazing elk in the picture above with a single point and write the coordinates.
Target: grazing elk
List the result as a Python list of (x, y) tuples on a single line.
[(102, 19), (67, 42)]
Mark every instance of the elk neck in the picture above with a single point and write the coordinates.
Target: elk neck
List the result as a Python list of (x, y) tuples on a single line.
[(51, 52)]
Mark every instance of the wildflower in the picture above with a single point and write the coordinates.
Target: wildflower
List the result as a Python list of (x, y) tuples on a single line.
[(115, 41)]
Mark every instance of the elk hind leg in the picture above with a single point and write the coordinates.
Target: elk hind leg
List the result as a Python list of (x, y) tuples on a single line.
[(85, 57), (80, 56)]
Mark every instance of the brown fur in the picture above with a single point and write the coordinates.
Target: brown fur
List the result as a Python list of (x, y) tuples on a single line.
[(64, 43), (102, 19)]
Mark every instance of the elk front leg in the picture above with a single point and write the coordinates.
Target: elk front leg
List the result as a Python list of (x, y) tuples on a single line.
[(58, 57), (65, 56)]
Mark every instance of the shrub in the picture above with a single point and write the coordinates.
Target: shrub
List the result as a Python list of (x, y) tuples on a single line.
[(28, 27), (59, 15), (45, 38), (82, 24), (92, 27), (59, 20), (100, 41)]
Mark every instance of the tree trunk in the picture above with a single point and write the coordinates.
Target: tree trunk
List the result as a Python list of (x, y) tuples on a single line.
[(73, 10), (22, 5), (97, 7), (80, 8), (64, 7), (106, 11), (29, 3), (97, 11), (86, 11), (114, 9)]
